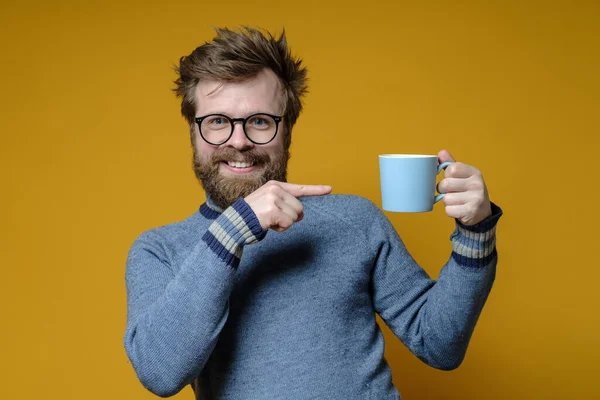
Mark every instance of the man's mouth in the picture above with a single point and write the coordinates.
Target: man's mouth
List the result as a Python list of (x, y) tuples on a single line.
[(237, 164)]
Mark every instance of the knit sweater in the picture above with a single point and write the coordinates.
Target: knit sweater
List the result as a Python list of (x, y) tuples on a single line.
[(237, 313)]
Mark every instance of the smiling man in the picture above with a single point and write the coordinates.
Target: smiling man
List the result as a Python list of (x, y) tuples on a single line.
[(218, 303), (256, 150)]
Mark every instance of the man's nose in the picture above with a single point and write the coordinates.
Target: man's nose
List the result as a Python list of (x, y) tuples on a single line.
[(238, 139)]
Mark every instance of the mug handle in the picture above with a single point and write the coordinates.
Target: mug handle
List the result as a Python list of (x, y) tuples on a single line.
[(441, 167)]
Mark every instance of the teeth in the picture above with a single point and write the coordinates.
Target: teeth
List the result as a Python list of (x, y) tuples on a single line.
[(237, 164)]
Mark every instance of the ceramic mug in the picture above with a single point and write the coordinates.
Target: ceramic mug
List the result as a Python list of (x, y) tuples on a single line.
[(408, 182)]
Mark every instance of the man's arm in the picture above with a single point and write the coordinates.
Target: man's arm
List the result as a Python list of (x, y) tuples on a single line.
[(174, 319), (435, 319)]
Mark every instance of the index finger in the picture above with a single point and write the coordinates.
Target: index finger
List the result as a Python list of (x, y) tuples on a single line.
[(305, 190)]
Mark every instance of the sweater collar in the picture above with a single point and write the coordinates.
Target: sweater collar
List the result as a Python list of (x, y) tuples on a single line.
[(209, 209)]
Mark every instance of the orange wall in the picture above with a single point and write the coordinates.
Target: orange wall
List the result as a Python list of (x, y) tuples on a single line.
[(94, 152)]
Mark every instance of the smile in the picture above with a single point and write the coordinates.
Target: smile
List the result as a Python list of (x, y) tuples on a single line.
[(237, 164)]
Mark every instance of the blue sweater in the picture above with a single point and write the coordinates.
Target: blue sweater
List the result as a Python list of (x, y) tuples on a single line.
[(216, 303)]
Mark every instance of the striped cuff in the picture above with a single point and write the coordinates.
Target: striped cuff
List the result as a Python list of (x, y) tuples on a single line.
[(235, 227), (475, 246)]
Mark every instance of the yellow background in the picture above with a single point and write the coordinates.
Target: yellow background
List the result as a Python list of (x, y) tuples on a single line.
[(94, 152)]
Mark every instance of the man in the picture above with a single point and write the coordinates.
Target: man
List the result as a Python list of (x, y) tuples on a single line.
[(218, 302)]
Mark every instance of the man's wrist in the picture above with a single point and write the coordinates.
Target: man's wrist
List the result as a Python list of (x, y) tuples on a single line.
[(475, 245), (486, 224), (236, 227)]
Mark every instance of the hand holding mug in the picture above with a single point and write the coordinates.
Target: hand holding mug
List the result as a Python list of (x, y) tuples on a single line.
[(465, 194), (408, 185)]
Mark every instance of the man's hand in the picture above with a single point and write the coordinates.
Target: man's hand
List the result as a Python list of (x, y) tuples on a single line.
[(466, 196), (277, 206)]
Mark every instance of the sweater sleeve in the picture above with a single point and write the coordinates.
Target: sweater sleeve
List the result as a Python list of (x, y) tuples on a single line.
[(174, 319), (435, 319)]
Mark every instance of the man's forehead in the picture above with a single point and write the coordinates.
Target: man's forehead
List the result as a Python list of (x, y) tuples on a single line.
[(260, 93), (265, 80), (208, 86)]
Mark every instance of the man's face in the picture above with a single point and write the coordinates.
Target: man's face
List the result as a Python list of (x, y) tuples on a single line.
[(222, 181)]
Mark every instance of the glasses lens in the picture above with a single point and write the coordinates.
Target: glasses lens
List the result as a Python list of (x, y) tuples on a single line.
[(261, 128), (215, 128)]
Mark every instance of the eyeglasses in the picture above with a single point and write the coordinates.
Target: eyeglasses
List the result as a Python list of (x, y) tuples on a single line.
[(217, 129)]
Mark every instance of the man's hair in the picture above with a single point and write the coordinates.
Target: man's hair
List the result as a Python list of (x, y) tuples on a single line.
[(234, 56)]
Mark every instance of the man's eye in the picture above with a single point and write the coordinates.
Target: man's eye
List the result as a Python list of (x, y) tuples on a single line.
[(216, 122), (260, 122)]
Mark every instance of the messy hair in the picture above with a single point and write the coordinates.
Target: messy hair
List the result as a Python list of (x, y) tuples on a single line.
[(234, 56)]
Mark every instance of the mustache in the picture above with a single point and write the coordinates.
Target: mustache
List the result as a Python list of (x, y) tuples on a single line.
[(230, 154)]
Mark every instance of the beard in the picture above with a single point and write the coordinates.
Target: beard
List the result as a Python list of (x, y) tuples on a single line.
[(225, 190)]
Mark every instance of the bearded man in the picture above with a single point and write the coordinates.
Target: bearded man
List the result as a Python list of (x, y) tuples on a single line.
[(271, 289)]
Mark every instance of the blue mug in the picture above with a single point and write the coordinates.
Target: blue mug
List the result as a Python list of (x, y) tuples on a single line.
[(408, 182)]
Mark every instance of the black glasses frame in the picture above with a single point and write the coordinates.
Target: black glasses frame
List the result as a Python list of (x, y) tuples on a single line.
[(232, 121)]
